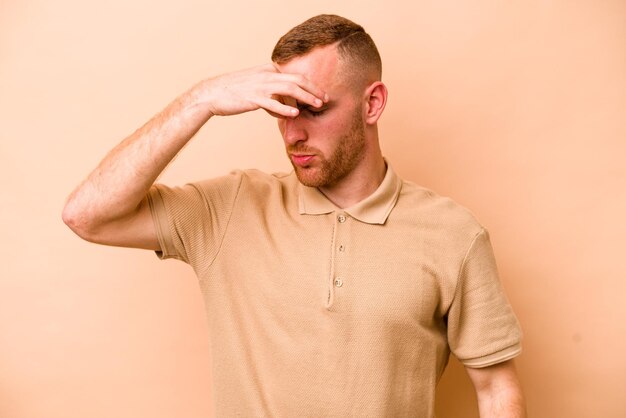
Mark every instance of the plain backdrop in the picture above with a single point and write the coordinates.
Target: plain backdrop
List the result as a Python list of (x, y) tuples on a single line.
[(515, 109)]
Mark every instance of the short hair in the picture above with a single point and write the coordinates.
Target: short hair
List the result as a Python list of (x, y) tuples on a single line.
[(353, 43)]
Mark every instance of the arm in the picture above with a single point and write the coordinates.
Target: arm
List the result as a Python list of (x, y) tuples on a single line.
[(110, 206), (498, 391)]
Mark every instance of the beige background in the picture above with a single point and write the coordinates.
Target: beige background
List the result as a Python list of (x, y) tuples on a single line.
[(516, 109)]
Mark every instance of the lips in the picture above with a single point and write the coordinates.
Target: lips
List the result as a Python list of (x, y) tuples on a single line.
[(302, 159)]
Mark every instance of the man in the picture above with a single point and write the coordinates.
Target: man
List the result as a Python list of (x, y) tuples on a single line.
[(337, 290)]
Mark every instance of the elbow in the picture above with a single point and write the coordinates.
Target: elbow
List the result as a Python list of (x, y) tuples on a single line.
[(67, 215), (77, 221)]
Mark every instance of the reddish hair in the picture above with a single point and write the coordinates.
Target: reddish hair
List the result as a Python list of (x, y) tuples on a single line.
[(353, 44)]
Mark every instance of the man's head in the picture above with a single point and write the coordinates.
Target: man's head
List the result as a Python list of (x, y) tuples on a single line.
[(338, 142), (357, 51)]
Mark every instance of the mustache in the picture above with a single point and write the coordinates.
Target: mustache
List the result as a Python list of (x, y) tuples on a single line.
[(299, 149)]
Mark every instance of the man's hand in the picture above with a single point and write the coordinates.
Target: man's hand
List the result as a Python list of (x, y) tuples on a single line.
[(262, 87)]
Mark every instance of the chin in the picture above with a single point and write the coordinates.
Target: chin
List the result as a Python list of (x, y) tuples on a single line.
[(310, 177)]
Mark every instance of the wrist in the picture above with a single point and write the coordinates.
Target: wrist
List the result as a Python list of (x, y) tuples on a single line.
[(198, 100)]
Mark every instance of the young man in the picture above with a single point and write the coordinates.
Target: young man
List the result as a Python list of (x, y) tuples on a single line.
[(336, 290)]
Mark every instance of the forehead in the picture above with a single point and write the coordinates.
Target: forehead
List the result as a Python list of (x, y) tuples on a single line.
[(321, 66)]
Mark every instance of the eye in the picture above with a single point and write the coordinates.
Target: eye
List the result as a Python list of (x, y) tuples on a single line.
[(315, 112), (311, 111)]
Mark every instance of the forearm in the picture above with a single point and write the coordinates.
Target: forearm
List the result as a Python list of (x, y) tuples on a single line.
[(508, 403), (110, 200), (498, 390), (120, 182)]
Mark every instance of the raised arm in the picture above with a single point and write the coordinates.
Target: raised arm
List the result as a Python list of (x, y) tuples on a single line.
[(498, 391), (110, 206)]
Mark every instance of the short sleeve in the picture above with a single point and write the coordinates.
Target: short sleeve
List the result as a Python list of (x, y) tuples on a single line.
[(191, 220), (482, 328)]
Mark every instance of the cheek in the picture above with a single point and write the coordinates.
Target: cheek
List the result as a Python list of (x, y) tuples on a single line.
[(329, 126)]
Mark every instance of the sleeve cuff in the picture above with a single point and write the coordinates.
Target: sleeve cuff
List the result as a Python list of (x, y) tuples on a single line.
[(159, 217), (494, 358)]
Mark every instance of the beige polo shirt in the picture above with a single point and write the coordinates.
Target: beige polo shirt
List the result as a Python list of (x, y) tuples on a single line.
[(316, 311)]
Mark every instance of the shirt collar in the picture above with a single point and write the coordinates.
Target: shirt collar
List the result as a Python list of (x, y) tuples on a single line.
[(374, 209)]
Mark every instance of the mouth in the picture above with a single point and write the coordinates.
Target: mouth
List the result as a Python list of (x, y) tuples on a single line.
[(302, 159)]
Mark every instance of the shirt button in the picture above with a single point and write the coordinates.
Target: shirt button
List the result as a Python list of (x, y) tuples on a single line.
[(342, 248), (338, 282), (341, 218)]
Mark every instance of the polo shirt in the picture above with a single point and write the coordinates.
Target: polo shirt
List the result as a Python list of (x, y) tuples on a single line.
[(317, 311)]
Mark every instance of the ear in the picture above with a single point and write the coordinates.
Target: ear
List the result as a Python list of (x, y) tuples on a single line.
[(375, 100)]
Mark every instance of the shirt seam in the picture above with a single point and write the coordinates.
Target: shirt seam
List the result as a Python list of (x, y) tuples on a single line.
[(465, 258), (230, 214)]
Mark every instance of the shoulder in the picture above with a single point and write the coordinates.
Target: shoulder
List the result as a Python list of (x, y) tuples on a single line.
[(436, 213), (249, 188), (248, 179), (258, 177)]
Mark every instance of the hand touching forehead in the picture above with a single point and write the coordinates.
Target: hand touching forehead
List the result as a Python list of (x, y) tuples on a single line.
[(321, 66)]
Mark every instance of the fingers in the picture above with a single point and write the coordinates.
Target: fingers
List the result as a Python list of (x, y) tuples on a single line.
[(303, 90), (288, 97), (295, 86), (261, 87), (300, 80), (278, 109)]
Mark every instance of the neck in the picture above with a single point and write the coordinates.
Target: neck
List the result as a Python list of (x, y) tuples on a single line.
[(359, 184)]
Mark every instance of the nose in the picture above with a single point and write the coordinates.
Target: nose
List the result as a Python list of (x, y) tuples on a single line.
[(292, 130)]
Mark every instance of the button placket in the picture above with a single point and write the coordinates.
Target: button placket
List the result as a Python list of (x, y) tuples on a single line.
[(336, 280), (341, 219)]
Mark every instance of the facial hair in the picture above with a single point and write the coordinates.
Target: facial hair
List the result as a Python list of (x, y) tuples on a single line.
[(348, 153)]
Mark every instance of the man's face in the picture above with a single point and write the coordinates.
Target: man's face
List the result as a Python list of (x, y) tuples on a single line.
[(324, 144)]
